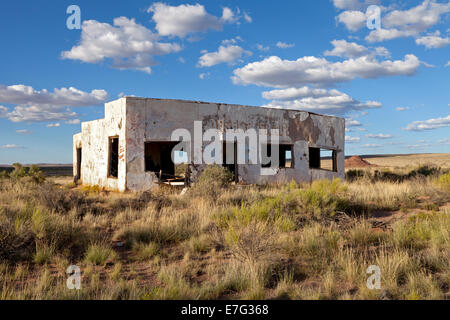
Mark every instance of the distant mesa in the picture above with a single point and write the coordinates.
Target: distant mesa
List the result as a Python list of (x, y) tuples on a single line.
[(357, 162)]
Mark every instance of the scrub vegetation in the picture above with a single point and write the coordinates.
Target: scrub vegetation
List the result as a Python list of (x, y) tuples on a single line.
[(226, 241)]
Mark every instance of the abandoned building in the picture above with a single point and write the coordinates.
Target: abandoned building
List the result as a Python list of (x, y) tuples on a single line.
[(131, 148)]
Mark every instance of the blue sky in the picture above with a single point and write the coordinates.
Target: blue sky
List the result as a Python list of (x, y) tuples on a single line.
[(391, 83)]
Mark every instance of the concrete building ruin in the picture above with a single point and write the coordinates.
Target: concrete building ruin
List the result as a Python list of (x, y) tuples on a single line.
[(131, 148)]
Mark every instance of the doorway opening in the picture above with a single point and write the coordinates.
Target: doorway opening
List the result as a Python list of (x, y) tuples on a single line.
[(230, 158), (158, 159), (78, 176), (113, 163)]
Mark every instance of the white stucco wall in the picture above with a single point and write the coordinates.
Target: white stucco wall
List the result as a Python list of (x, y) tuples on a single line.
[(94, 138)]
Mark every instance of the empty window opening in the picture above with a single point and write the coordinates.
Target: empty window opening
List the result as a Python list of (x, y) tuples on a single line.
[(320, 158), (285, 156), (113, 166), (78, 176), (158, 159)]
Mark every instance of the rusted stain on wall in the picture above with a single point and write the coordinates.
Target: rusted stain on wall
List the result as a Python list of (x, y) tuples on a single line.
[(332, 136), (304, 130)]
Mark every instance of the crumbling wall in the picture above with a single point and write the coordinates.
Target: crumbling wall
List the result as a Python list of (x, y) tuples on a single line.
[(138, 120), (155, 120)]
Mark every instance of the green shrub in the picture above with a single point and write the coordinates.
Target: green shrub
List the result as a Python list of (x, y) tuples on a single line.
[(424, 171), (58, 231), (59, 200), (212, 181), (320, 243), (4, 174), (362, 234), (43, 254), (322, 198), (36, 174), (278, 211), (100, 254), (199, 245), (161, 231), (444, 181), (177, 287), (33, 172), (388, 175), (145, 251), (411, 234), (19, 171), (354, 174), (250, 243), (16, 240)]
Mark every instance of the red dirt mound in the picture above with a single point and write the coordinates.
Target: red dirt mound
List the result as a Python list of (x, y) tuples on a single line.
[(357, 162)]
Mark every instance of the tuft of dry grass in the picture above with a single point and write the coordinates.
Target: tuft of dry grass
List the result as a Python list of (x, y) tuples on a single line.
[(100, 254)]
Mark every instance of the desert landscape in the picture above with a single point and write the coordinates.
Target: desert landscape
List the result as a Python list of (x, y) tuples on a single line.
[(219, 240), (224, 159)]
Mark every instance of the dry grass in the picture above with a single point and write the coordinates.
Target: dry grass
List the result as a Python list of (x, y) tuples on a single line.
[(274, 242), (440, 160), (406, 161)]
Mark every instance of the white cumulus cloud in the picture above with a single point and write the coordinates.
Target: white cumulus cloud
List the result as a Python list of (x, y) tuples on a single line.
[(42, 105), (433, 40), (353, 4), (316, 100), (275, 72), (350, 122), (342, 48), (410, 22), (429, 124), (185, 19), (353, 20), (225, 54), (22, 94), (129, 45)]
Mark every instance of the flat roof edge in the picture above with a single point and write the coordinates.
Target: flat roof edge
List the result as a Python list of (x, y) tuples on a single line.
[(225, 104)]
